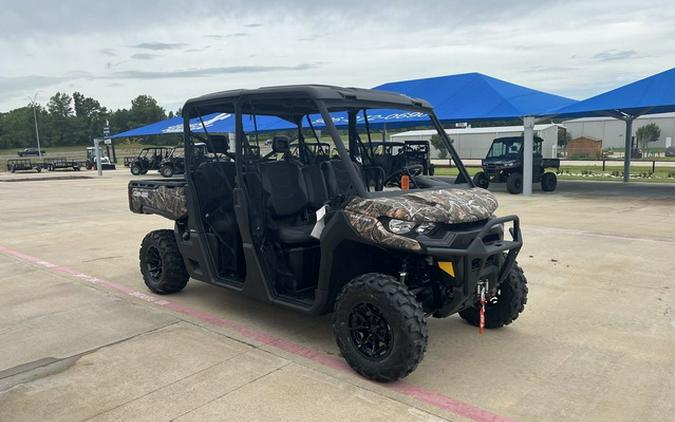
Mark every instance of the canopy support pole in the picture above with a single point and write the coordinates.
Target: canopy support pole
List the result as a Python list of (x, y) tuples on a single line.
[(97, 148), (528, 147), (628, 146)]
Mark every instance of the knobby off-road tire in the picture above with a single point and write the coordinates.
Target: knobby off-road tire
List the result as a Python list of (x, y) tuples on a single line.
[(380, 304), (481, 180), (136, 169), (514, 183), (511, 302), (161, 263), (549, 181), (166, 171)]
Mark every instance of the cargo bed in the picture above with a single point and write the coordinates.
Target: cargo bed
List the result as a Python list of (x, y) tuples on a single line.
[(167, 198)]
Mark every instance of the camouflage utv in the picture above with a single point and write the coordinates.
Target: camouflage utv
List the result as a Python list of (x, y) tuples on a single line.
[(325, 235)]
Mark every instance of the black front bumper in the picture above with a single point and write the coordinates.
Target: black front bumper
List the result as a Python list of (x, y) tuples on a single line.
[(478, 254)]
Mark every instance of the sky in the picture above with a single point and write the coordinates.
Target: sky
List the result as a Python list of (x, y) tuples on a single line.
[(175, 50)]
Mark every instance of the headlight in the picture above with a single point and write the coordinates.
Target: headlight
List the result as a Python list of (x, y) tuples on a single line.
[(405, 227), (400, 226), (425, 228)]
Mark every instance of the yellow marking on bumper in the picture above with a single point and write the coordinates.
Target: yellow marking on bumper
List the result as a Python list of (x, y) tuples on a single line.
[(447, 267)]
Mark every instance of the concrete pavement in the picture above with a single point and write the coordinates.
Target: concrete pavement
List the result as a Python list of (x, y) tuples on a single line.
[(595, 342)]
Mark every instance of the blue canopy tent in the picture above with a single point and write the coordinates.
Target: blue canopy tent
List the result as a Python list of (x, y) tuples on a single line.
[(214, 123), (475, 97), (455, 98), (652, 95)]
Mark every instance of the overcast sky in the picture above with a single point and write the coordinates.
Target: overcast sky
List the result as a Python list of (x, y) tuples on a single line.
[(115, 50)]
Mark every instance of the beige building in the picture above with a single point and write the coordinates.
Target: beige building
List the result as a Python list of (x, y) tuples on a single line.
[(612, 131), (474, 142)]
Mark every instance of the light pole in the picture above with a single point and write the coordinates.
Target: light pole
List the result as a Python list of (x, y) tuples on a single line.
[(37, 133)]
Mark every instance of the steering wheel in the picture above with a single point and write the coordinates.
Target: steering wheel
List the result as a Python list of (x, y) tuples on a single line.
[(394, 180)]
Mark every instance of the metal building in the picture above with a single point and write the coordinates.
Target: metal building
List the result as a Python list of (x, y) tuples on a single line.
[(611, 131), (475, 142)]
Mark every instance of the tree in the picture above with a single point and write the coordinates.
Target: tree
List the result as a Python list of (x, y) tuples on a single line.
[(89, 118), (59, 125), (74, 120), (647, 134), (145, 110), (17, 129), (439, 144), (564, 137)]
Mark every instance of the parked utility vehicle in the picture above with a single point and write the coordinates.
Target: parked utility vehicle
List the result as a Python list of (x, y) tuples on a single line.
[(314, 237), (150, 158), (106, 162), (174, 163), (504, 164)]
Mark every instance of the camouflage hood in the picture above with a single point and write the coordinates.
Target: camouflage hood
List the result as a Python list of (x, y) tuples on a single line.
[(453, 205)]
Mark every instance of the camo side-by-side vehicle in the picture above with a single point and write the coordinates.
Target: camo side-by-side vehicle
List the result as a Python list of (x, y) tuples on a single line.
[(318, 236)]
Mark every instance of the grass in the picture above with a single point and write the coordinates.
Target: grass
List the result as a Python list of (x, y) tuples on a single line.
[(611, 174)]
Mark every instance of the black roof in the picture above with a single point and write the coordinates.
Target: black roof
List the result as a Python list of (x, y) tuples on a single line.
[(334, 96)]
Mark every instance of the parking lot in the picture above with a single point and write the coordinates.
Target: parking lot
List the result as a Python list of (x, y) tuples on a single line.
[(82, 338)]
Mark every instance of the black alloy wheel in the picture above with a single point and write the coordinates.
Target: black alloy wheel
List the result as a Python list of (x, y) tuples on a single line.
[(370, 332)]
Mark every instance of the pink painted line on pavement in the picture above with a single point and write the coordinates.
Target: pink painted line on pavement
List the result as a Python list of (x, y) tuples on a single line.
[(438, 400)]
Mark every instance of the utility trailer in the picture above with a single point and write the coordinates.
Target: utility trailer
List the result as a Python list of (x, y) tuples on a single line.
[(61, 163), (22, 164)]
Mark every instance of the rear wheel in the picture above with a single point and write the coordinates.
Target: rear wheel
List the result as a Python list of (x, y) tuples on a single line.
[(514, 183), (380, 328), (511, 299), (481, 180), (166, 171), (549, 181), (161, 263), (136, 169)]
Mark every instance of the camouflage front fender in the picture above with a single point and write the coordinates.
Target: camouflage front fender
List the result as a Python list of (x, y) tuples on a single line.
[(449, 206)]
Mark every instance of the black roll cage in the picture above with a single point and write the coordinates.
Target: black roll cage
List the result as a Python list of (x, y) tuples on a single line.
[(244, 104)]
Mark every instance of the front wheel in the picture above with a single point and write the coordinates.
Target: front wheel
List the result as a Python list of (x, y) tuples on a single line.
[(380, 328), (136, 169), (481, 180), (514, 183), (161, 263), (510, 302)]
